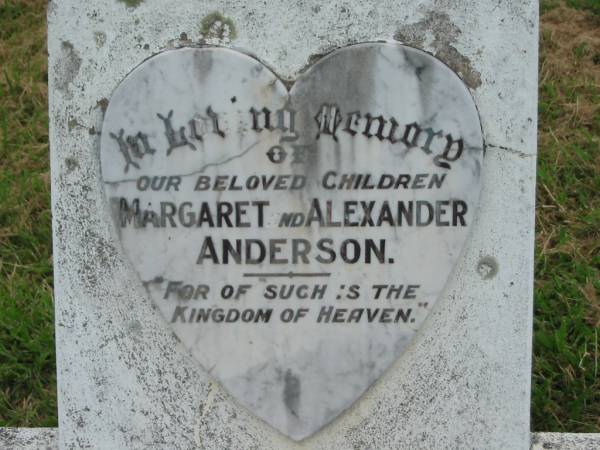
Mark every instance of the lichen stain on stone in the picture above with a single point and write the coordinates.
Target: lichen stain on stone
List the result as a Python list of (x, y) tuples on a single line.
[(102, 104), (439, 26), (68, 67), (135, 327), (71, 164), (216, 27), (131, 3), (487, 267), (100, 38)]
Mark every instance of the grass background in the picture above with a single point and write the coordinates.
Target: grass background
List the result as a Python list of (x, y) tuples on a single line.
[(566, 383)]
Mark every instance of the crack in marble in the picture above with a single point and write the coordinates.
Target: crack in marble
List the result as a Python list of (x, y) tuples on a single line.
[(195, 172), (514, 151)]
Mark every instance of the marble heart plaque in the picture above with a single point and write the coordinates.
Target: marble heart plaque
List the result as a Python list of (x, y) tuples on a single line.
[(293, 238)]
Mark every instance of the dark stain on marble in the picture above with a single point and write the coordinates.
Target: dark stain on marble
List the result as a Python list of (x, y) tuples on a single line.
[(291, 392), (445, 34), (132, 3)]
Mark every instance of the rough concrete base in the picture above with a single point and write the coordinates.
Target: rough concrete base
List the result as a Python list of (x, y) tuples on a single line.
[(565, 441), (29, 438), (47, 439)]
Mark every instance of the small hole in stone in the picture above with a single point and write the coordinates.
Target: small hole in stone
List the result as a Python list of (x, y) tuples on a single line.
[(487, 267)]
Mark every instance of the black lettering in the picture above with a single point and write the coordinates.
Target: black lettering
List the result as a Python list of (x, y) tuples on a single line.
[(300, 250), (178, 314), (164, 214), (459, 209), (422, 220), (325, 245), (208, 252)]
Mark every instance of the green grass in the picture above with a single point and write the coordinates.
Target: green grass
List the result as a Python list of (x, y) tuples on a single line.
[(27, 361), (566, 383), (592, 6), (566, 386)]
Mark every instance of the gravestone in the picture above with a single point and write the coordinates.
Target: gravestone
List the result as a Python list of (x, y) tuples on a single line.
[(293, 224)]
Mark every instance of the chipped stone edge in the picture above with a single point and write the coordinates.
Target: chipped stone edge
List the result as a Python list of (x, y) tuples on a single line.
[(47, 439)]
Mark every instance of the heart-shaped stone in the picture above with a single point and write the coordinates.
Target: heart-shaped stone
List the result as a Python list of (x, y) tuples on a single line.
[(294, 240)]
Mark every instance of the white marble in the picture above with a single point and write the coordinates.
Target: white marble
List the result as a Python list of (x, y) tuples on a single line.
[(202, 150)]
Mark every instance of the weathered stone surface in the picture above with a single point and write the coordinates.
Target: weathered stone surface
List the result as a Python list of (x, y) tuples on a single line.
[(124, 379)]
